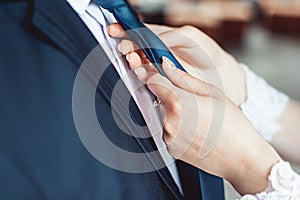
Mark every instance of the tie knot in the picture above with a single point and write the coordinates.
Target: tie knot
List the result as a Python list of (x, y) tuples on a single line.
[(110, 4)]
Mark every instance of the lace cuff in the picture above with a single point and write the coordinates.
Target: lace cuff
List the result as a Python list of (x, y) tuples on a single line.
[(284, 184), (264, 104)]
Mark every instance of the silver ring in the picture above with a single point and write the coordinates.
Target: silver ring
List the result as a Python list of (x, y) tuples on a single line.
[(157, 103)]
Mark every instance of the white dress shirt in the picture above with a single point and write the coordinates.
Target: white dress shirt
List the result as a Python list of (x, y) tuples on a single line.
[(97, 19)]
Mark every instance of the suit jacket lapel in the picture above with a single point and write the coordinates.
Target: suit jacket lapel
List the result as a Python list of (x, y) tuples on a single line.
[(60, 25)]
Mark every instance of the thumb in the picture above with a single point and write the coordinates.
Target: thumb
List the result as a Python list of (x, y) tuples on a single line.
[(185, 81)]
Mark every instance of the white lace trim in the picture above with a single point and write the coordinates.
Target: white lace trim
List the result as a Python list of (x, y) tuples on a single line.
[(284, 183), (264, 104)]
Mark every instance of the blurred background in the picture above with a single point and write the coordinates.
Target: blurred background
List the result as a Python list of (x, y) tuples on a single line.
[(264, 34)]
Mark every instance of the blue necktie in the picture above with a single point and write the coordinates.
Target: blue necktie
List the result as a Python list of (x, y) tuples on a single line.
[(151, 45), (154, 49)]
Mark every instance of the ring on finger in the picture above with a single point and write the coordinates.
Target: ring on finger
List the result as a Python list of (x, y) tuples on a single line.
[(157, 103)]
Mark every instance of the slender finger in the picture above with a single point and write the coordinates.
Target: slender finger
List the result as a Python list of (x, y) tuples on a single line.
[(162, 88), (135, 56), (134, 60), (143, 74), (183, 80), (146, 62), (126, 47), (116, 30)]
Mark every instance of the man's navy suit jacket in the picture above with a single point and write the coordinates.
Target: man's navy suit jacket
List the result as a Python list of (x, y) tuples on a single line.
[(43, 44)]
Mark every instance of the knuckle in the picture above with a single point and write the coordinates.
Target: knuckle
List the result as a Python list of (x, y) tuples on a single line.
[(169, 129), (167, 138), (152, 79), (175, 108), (189, 28)]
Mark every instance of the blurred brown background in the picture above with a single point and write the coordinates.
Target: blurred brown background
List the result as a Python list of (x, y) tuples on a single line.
[(264, 34)]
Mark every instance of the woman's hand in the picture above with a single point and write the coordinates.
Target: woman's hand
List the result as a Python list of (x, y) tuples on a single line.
[(201, 56), (203, 127)]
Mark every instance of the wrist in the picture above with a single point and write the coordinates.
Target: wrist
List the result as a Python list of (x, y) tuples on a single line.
[(255, 168), (283, 184), (249, 159)]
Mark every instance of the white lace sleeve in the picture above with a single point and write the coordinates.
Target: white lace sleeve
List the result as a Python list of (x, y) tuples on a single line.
[(284, 184), (264, 104)]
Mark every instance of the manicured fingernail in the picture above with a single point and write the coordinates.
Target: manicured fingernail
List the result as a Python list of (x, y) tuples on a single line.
[(168, 63), (128, 57), (125, 46)]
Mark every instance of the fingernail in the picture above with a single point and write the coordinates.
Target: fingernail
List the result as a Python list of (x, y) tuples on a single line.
[(168, 63), (125, 46), (128, 57)]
